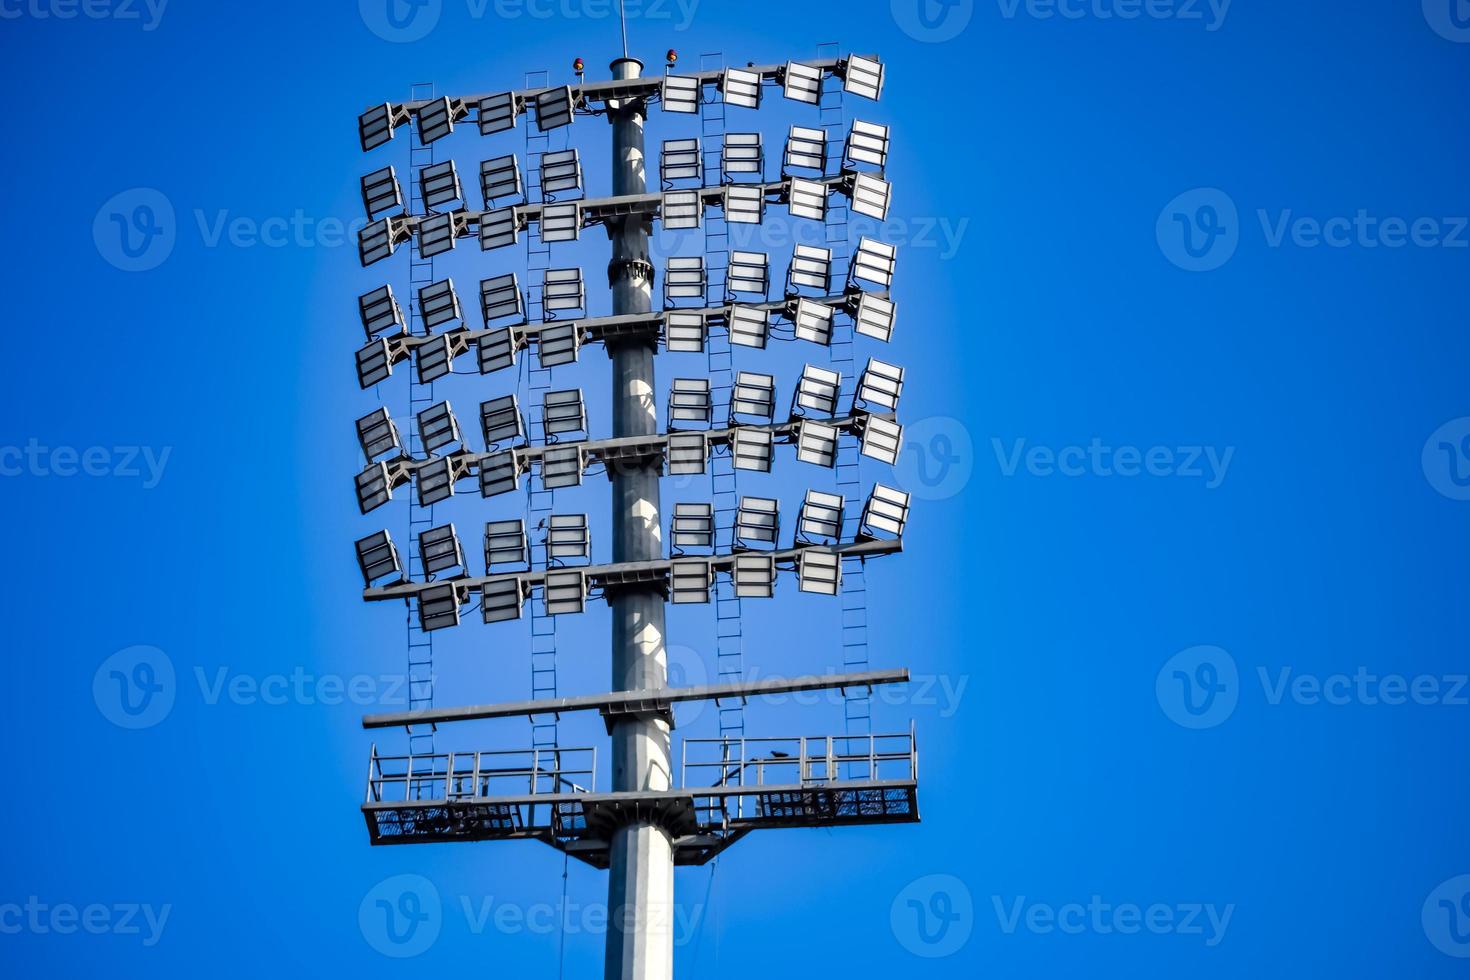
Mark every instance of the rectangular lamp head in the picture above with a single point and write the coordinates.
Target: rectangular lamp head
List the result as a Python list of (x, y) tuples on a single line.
[(758, 521), (377, 434), (817, 392), (741, 88), (500, 473), (380, 192), (806, 149), (380, 311), (554, 109), (819, 572), (689, 581), (506, 544), (564, 592), (500, 297), (749, 327), (438, 427), (563, 412), (864, 77), (437, 119), (754, 576), (374, 364), (380, 239), (689, 401), (803, 83), (681, 160), (438, 233), (374, 487), (694, 526), (744, 204), (688, 452), (500, 177), (886, 512), (439, 184), (816, 443), (875, 317), (500, 228), (882, 440), (867, 143), (681, 93), (559, 344), (500, 421), (561, 222), (684, 278), (807, 199), (821, 517), (742, 154), (439, 607), (562, 466), (435, 357), (871, 196), (375, 127), (497, 113), (439, 550), (502, 601), (881, 384), (754, 395), (562, 289), (874, 262), (811, 268), (377, 557), (813, 321), (749, 273), (435, 480), (684, 331), (439, 303), (682, 209), (497, 350), (568, 536), (753, 449), (561, 171)]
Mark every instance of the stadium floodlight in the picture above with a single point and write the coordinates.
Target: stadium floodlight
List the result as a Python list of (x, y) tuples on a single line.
[(802, 83), (681, 160), (875, 317), (563, 412), (871, 196), (559, 345), (373, 364), (694, 526), (684, 278), (682, 209), (506, 544), (438, 232), (688, 452), (380, 239), (749, 273), (554, 108), (435, 481), (561, 222), (813, 321), (380, 192), (757, 522), (873, 262), (378, 434), (560, 171), (497, 113), (811, 268), (806, 149), (564, 592), (562, 466), (689, 581), (754, 576), (749, 327), (886, 512), (502, 600), (501, 177), (562, 289), (753, 449), (379, 310), (437, 118), (819, 572), (436, 358), (684, 331), (864, 77), (438, 427), (741, 88), (816, 392), (439, 303), (867, 143), (500, 297), (681, 93), (568, 536), (439, 184), (816, 443), (377, 556), (501, 421), (689, 401), (744, 204), (500, 473), (439, 607), (807, 199), (754, 395), (500, 228), (375, 127), (742, 154), (821, 517), (374, 487), (439, 550), (880, 384), (882, 439)]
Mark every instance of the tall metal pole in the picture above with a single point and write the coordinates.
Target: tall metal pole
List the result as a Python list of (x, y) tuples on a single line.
[(641, 866)]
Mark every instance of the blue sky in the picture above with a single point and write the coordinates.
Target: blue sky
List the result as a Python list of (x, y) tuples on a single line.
[(1187, 431)]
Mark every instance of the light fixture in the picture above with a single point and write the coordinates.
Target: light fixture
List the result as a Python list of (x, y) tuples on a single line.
[(375, 127), (380, 239), (682, 209), (681, 93), (871, 196), (681, 160), (377, 556), (497, 113), (563, 412), (439, 184), (437, 118), (684, 278), (500, 297), (742, 154), (374, 487), (435, 480), (554, 108), (560, 344), (880, 384), (754, 395), (749, 327), (438, 427), (811, 268), (562, 289), (560, 171), (819, 572), (562, 466), (875, 317), (439, 550), (757, 522), (561, 222), (821, 517), (803, 83), (816, 392), (373, 364), (499, 229), (688, 453), (689, 401), (806, 149), (501, 421), (882, 439), (379, 310), (564, 592), (864, 77), (439, 303), (744, 204), (435, 357), (500, 473), (439, 232), (502, 600), (439, 607), (506, 544), (378, 434), (689, 581), (749, 273), (753, 449), (694, 526), (380, 192), (816, 443), (806, 199), (874, 262), (813, 321), (568, 536), (867, 143), (684, 331), (886, 512), (754, 576), (500, 177), (742, 88)]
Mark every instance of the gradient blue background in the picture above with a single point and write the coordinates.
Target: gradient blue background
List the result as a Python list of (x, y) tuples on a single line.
[(1056, 600)]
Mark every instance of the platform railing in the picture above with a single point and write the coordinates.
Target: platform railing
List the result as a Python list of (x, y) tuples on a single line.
[(799, 761), (463, 776)]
